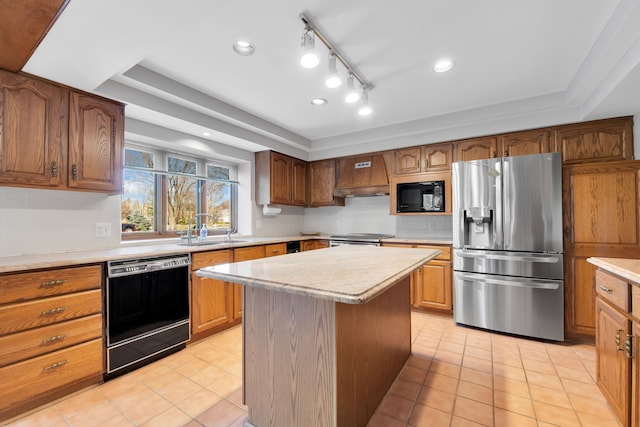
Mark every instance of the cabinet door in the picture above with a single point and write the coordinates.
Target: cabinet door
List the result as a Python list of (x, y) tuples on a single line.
[(280, 178), (527, 142), (243, 254), (635, 375), (433, 287), (408, 160), (33, 131), (602, 140), (275, 249), (96, 144), (298, 194), (437, 157), (322, 181), (476, 149), (612, 365), (211, 299)]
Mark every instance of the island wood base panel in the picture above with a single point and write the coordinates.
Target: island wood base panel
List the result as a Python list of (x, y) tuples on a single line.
[(314, 362)]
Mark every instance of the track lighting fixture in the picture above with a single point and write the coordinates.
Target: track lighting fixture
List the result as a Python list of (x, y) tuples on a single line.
[(333, 79), (309, 57), (310, 60)]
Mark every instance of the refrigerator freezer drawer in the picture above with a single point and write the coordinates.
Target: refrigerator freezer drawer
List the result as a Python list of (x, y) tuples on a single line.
[(523, 264), (521, 306)]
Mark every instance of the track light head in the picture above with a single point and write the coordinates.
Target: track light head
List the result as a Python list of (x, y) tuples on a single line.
[(352, 93), (364, 109), (333, 79), (309, 57)]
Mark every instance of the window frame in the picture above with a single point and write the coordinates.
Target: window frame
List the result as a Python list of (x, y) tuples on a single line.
[(161, 158)]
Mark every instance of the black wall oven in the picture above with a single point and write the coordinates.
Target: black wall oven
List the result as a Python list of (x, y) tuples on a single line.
[(147, 310)]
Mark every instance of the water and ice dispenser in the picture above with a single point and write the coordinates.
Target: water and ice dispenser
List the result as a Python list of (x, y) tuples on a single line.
[(479, 227)]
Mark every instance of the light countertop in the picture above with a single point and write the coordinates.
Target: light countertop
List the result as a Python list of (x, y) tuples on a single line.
[(136, 249), (347, 274), (628, 269)]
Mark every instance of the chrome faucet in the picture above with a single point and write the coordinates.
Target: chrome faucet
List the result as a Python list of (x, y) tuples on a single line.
[(230, 231), (191, 221)]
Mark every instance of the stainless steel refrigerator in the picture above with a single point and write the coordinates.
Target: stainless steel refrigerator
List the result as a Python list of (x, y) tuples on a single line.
[(507, 245)]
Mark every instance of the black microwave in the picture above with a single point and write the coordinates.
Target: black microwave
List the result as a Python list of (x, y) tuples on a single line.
[(420, 197)]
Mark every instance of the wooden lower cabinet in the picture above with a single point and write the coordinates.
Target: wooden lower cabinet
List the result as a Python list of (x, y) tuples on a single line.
[(211, 300), (50, 335), (310, 245), (245, 254), (432, 284), (613, 368)]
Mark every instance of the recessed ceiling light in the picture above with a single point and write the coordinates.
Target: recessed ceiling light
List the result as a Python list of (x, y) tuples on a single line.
[(318, 101), (206, 133), (244, 48), (443, 65)]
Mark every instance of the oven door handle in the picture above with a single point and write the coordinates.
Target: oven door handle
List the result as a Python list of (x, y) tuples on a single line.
[(520, 282), (154, 266)]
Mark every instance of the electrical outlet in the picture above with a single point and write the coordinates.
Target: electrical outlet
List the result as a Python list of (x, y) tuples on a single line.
[(103, 229)]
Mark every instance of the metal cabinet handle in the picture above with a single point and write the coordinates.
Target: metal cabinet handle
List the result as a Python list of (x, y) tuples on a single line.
[(52, 283), (54, 169), (618, 332), (55, 365), (53, 339), (275, 251), (54, 311), (74, 172), (607, 290), (493, 154), (506, 153), (628, 346)]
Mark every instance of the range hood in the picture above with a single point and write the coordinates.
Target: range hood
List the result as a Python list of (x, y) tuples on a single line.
[(362, 176)]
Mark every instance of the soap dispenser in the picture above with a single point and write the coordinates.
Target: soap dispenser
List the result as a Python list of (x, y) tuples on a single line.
[(203, 232)]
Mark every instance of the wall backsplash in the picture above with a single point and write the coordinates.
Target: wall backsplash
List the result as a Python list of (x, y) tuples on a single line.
[(289, 222), (359, 215), (421, 227), (34, 221)]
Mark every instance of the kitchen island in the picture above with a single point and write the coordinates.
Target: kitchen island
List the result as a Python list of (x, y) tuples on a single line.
[(325, 332)]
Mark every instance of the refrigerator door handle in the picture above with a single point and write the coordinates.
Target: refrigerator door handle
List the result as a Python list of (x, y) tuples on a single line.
[(519, 284), (527, 258)]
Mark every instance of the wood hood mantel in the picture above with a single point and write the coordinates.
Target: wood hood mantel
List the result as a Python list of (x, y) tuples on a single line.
[(364, 175)]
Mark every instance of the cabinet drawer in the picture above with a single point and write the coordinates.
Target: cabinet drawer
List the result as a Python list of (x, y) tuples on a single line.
[(25, 286), (46, 339), (445, 251), (35, 377), (275, 249), (27, 315), (204, 259), (248, 253), (613, 290)]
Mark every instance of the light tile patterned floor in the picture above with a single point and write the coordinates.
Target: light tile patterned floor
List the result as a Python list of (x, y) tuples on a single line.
[(456, 377)]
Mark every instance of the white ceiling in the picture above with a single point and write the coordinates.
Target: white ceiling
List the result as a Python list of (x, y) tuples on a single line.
[(518, 65)]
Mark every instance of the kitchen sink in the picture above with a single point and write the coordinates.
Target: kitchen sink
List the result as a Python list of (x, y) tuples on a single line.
[(201, 243)]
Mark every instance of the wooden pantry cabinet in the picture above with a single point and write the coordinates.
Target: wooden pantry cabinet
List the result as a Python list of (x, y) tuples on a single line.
[(432, 284), (50, 335), (55, 137), (600, 218), (280, 179)]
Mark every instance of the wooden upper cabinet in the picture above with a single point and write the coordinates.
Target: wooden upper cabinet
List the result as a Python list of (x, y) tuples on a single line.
[(322, 181), (476, 149), (437, 157), (33, 131), (96, 143), (408, 160), (601, 140), (280, 179), (423, 159), (527, 142)]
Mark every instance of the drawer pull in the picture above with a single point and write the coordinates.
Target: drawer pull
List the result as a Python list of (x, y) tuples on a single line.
[(55, 365), (276, 252), (607, 290), (52, 283), (54, 311), (53, 339), (628, 346)]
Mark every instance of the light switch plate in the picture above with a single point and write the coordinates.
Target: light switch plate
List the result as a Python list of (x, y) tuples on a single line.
[(103, 229)]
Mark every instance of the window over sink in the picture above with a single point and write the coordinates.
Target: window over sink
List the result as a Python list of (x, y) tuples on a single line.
[(163, 191)]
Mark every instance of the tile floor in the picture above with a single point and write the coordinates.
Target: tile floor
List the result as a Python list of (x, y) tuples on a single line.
[(456, 377)]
